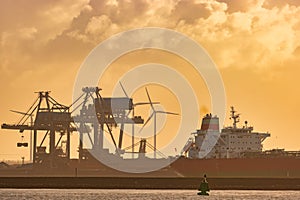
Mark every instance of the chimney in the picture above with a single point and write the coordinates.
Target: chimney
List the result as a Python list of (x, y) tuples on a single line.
[(210, 123)]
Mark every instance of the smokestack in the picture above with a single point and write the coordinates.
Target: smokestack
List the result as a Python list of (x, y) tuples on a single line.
[(210, 123)]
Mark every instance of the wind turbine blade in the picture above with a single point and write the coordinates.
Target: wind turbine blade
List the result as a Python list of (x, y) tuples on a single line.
[(146, 122), (169, 113), (123, 90), (149, 99)]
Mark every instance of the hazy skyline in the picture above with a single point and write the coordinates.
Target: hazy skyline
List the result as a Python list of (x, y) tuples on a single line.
[(254, 43)]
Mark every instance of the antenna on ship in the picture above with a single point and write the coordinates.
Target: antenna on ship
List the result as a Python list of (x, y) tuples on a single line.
[(235, 117)]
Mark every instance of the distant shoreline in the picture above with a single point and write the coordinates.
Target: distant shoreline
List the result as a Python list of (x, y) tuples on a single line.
[(148, 183)]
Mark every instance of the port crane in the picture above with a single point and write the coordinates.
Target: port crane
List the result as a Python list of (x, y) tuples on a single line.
[(103, 114), (30, 138), (57, 121), (53, 119)]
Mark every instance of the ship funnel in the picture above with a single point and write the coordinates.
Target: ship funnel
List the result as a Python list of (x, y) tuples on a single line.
[(210, 122)]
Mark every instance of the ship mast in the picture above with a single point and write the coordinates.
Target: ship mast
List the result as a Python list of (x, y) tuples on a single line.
[(235, 117)]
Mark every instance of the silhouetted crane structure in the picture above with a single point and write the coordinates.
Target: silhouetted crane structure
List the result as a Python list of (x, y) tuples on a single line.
[(102, 114), (96, 115), (30, 138), (53, 119), (142, 144)]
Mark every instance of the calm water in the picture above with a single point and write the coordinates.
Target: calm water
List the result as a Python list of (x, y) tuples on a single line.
[(73, 194)]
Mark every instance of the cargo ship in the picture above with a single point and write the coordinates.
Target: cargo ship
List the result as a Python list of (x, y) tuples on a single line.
[(238, 152), (232, 152)]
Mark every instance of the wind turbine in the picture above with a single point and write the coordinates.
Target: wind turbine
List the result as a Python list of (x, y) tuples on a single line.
[(154, 112), (31, 124), (133, 106)]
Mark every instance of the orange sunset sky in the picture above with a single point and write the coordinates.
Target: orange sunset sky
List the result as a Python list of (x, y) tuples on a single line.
[(254, 43)]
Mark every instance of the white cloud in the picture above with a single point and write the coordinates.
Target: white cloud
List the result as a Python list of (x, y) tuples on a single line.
[(28, 33), (256, 37), (30, 25), (236, 34), (98, 25)]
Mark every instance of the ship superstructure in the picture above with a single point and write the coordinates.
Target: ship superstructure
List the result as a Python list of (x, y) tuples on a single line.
[(232, 142)]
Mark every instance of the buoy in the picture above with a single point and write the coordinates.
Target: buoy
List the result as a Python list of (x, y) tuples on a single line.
[(203, 188)]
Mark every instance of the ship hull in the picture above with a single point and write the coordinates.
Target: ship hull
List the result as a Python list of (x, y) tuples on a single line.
[(285, 167), (239, 167)]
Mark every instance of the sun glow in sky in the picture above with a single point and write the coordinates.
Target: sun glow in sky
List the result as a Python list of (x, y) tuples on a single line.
[(254, 43)]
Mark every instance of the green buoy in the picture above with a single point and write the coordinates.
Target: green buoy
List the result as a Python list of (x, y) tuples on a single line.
[(204, 188)]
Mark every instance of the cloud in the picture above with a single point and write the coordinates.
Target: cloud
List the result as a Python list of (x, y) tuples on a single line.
[(98, 25), (232, 31), (263, 32), (26, 27), (242, 6), (269, 4), (189, 11), (249, 36)]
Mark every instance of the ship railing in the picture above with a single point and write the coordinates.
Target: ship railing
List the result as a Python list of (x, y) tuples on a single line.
[(275, 153)]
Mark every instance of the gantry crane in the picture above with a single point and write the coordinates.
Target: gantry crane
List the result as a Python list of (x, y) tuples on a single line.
[(103, 114), (53, 119)]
